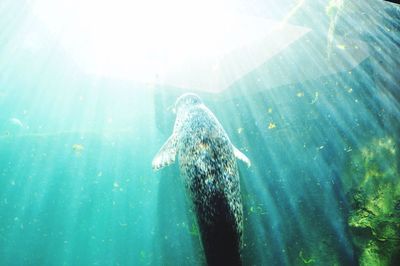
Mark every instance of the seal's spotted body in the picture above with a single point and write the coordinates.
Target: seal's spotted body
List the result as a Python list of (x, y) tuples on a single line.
[(208, 166)]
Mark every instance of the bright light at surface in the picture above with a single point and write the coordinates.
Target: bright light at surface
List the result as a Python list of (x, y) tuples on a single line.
[(146, 40), (138, 36)]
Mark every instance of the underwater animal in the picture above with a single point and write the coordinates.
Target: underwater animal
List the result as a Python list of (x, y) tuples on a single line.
[(209, 170)]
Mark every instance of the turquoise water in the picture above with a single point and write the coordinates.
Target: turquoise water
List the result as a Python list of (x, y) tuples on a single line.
[(76, 184)]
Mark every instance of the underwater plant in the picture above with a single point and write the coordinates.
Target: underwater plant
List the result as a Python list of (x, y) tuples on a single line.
[(373, 190)]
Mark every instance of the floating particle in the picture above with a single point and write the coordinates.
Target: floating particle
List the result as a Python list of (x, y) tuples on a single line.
[(348, 149), (78, 148), (300, 94), (271, 125), (341, 46), (304, 259), (350, 90), (16, 122), (315, 97), (240, 130), (269, 110), (116, 184), (258, 210)]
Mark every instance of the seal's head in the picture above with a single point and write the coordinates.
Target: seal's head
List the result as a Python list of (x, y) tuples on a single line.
[(187, 100)]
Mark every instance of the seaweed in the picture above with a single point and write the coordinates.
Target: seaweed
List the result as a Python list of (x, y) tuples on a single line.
[(373, 189)]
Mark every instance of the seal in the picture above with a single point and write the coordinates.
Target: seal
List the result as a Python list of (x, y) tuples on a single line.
[(207, 162)]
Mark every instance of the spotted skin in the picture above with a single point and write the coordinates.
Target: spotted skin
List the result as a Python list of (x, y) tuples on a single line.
[(210, 173)]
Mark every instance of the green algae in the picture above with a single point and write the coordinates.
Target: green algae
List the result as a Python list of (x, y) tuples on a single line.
[(373, 189)]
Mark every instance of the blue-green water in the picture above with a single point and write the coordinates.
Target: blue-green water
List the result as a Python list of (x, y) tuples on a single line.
[(76, 184)]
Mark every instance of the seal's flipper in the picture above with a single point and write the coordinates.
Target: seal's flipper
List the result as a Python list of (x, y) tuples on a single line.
[(240, 156), (166, 155)]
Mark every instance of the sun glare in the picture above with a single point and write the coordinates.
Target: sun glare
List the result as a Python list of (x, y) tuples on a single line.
[(178, 43), (145, 40)]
